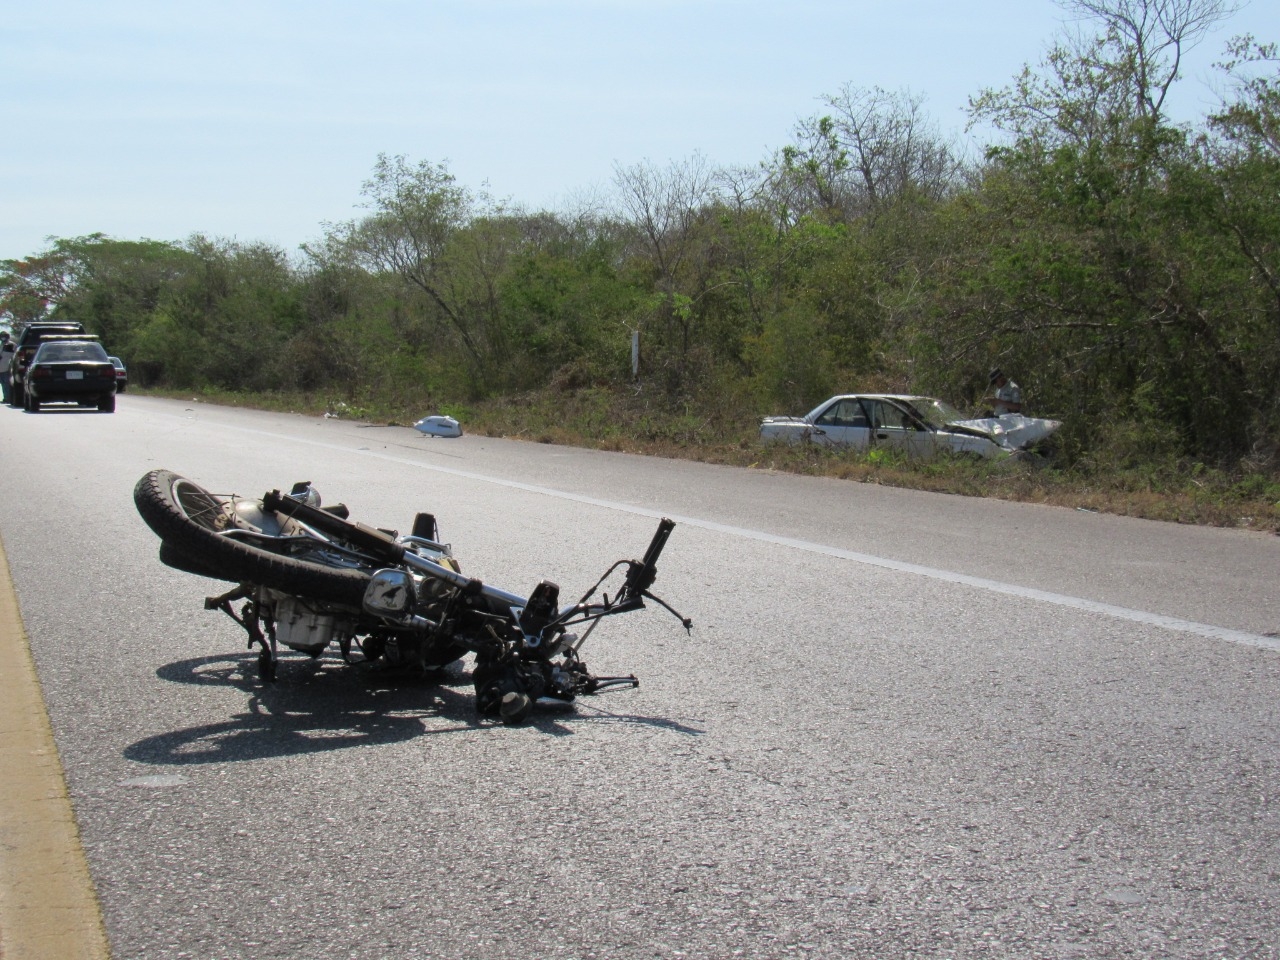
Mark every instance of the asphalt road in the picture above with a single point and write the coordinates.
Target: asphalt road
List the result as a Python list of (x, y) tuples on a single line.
[(905, 725)]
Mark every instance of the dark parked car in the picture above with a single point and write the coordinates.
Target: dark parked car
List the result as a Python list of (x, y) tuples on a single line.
[(76, 371), (122, 373), (25, 345)]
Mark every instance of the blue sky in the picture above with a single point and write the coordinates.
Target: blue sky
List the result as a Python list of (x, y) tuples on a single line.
[(259, 121)]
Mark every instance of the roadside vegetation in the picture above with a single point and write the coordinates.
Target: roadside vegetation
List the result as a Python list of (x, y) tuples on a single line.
[(1119, 478), (1123, 268)]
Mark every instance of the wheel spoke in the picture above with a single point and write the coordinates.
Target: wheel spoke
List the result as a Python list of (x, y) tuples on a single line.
[(199, 506)]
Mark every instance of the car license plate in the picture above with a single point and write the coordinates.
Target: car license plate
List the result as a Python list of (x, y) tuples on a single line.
[(75, 374)]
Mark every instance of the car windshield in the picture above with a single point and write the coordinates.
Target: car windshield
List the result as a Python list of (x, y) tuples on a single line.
[(936, 413), (70, 352)]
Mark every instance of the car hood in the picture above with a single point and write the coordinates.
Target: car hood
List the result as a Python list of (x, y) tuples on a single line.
[(1013, 431)]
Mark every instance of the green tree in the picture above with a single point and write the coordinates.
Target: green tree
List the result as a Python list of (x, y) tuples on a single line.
[(1098, 262), (445, 242), (668, 211), (30, 288)]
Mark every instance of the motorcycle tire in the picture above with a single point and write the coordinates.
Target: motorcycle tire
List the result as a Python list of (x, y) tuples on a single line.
[(185, 517), (171, 556)]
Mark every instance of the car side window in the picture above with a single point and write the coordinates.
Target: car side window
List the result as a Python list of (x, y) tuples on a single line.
[(885, 414), (843, 413), (897, 417)]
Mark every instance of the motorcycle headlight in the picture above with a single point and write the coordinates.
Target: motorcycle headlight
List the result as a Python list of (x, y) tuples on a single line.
[(390, 593)]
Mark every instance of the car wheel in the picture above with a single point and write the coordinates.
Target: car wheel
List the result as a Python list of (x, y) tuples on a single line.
[(32, 404), (16, 396), (107, 404)]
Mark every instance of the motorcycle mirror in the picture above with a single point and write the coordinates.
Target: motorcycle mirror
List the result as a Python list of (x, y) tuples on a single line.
[(305, 493), (390, 594)]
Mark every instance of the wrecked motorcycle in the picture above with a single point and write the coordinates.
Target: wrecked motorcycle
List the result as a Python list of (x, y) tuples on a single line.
[(310, 578)]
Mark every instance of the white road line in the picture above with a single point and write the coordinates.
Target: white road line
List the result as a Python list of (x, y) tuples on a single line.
[(1206, 630), (1010, 589)]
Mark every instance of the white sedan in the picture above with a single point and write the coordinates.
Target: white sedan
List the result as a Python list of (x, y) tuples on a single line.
[(917, 426)]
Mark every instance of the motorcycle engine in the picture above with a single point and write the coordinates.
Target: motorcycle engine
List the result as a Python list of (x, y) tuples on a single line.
[(300, 626)]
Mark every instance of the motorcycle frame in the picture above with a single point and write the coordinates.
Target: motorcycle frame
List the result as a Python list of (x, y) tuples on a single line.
[(368, 546)]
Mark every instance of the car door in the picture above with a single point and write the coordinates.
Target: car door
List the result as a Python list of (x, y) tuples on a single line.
[(843, 424), (894, 428)]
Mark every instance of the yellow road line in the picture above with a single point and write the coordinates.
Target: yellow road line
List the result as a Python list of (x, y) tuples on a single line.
[(48, 907)]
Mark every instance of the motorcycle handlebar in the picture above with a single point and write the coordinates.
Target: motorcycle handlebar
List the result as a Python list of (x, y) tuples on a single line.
[(658, 542), (641, 575)]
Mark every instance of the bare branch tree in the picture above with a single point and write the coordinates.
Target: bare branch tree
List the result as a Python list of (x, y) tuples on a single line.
[(1094, 85), (665, 205), (1157, 34), (873, 149)]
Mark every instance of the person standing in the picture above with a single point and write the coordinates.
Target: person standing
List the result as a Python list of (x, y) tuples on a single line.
[(6, 358), (1006, 396)]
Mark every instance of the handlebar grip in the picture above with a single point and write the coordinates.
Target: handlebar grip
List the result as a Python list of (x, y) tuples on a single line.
[(641, 575), (659, 541)]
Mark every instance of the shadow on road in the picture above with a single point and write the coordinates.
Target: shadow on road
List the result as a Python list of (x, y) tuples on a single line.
[(321, 705), (74, 409)]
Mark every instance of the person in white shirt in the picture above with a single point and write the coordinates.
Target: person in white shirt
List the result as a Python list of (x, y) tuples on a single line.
[(1007, 396)]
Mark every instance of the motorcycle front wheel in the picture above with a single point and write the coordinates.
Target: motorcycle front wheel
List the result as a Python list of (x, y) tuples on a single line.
[(197, 526)]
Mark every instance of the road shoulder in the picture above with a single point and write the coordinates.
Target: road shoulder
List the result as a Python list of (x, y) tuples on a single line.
[(48, 907)]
